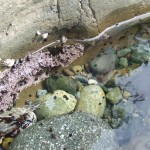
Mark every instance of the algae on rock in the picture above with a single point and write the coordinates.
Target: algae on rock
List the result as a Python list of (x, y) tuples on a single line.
[(92, 100), (58, 103)]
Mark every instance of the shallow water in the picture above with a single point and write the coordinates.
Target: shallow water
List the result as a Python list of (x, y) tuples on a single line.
[(137, 82)]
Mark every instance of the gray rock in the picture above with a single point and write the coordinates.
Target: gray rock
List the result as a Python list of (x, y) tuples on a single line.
[(72, 132), (41, 92), (92, 100), (58, 103), (114, 95), (123, 62), (103, 64)]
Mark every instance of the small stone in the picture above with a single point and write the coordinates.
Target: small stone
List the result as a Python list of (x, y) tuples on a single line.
[(41, 92), (77, 69), (123, 62), (114, 95), (44, 36), (109, 51), (58, 103), (123, 52), (92, 81), (38, 33), (92, 100), (6, 143), (9, 62), (68, 72), (126, 94)]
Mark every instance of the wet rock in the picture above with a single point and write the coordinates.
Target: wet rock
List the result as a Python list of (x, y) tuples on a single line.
[(57, 82), (126, 94), (77, 69), (74, 131), (58, 103), (123, 52), (103, 64), (92, 81), (82, 79), (114, 95), (68, 72), (41, 92), (123, 62), (92, 100), (117, 116)]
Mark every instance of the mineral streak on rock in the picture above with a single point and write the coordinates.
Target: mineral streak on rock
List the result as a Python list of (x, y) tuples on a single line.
[(30, 71)]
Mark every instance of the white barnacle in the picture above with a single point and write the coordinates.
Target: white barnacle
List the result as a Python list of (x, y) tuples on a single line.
[(44, 36), (38, 33), (8, 62)]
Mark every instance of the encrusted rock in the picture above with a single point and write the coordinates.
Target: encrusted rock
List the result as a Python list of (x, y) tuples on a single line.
[(92, 100), (55, 104), (72, 132)]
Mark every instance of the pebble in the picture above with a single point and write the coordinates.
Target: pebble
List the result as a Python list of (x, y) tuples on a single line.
[(6, 143), (41, 92), (126, 94), (81, 78), (9, 62), (68, 72), (114, 95), (77, 69), (92, 81), (123, 62)]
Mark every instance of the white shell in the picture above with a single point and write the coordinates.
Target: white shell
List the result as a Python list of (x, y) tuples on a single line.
[(38, 32), (92, 81), (9, 62), (45, 35)]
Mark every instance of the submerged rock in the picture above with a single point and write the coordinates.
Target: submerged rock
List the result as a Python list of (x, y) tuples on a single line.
[(64, 83), (58, 103), (103, 64), (123, 52), (123, 62), (72, 132), (92, 100), (114, 95), (41, 92)]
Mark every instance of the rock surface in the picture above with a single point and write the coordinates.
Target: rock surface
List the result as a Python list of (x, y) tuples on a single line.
[(48, 16), (72, 132), (92, 100), (55, 104)]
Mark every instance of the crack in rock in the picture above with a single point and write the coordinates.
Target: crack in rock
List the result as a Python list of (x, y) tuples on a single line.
[(94, 16)]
